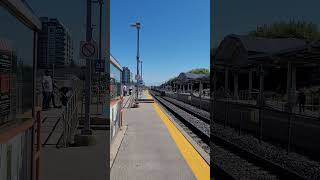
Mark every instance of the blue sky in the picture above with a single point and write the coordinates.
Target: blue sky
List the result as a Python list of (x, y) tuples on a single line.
[(240, 17), (175, 36)]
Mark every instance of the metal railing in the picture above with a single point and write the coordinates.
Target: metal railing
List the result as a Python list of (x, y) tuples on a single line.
[(70, 119)]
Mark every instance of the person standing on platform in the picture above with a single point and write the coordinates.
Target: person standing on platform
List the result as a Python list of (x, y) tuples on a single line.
[(301, 101), (52, 98), (46, 90), (47, 87), (124, 90)]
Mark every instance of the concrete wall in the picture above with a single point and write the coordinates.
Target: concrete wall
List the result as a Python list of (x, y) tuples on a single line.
[(192, 100), (115, 118)]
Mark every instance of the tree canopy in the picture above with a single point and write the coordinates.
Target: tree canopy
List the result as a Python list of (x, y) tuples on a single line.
[(291, 29), (199, 71), (194, 71)]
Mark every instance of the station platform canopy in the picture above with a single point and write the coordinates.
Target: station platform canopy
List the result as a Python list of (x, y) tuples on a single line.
[(244, 51), (186, 77)]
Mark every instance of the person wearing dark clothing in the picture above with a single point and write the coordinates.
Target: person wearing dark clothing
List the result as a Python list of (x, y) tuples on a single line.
[(46, 90), (301, 101), (65, 95)]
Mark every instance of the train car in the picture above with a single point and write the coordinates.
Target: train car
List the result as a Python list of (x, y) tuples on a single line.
[(115, 96)]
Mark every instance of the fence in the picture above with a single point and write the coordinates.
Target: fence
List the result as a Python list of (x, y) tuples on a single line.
[(70, 118), (292, 129)]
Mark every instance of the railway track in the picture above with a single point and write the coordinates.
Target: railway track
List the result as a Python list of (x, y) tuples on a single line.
[(196, 125), (199, 113), (228, 161)]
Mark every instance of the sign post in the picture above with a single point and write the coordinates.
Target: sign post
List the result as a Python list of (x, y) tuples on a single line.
[(88, 50)]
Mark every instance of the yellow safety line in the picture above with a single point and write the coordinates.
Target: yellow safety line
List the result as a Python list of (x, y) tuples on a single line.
[(197, 164)]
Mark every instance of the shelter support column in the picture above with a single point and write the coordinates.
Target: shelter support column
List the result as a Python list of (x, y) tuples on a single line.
[(291, 84), (294, 86), (200, 89), (226, 80), (250, 83), (191, 88), (288, 79), (214, 80), (261, 85), (235, 85)]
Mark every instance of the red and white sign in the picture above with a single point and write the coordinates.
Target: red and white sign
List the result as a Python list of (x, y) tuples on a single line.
[(137, 77)]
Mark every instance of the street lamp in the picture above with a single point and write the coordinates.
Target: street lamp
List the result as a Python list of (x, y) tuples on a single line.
[(138, 26), (141, 70)]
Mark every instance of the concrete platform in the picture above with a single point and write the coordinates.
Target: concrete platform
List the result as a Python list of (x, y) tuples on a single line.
[(78, 163), (147, 150)]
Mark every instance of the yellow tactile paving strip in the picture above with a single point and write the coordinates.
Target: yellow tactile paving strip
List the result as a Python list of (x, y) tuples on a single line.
[(197, 164)]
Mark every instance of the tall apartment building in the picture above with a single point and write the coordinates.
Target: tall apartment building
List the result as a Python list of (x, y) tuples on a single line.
[(131, 77), (55, 45), (126, 75)]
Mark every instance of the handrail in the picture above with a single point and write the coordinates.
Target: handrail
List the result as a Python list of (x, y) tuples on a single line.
[(70, 120)]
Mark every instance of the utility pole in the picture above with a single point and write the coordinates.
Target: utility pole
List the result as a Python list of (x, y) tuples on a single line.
[(141, 71), (138, 60), (87, 130), (100, 53)]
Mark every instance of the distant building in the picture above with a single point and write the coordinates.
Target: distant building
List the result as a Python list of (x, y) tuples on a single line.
[(131, 77), (55, 45), (126, 76)]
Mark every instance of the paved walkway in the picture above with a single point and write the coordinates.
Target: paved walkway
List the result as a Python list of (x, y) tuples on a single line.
[(52, 127), (147, 150), (77, 163), (72, 163)]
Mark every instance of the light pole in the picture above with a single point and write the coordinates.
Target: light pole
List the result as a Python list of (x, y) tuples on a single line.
[(141, 71), (100, 54), (138, 26)]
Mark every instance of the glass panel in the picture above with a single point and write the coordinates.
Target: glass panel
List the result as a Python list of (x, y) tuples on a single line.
[(16, 67), (115, 82)]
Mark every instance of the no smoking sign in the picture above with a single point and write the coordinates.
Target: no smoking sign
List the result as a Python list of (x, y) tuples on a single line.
[(88, 50)]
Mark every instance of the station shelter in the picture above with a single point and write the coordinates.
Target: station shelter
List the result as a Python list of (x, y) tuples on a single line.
[(19, 159)]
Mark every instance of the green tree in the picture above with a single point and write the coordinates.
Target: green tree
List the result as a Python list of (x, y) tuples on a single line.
[(291, 29), (199, 71)]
